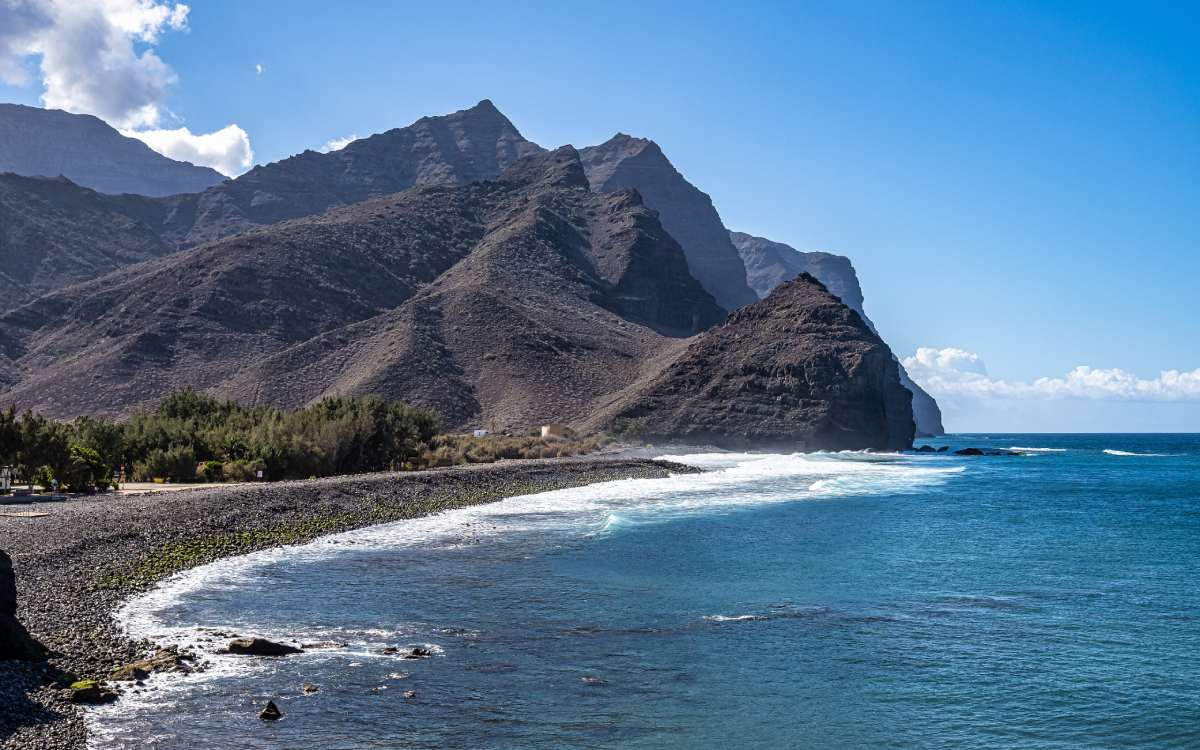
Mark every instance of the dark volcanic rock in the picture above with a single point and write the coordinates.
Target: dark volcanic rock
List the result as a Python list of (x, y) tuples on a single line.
[(798, 370), (261, 647), (271, 712), (15, 641), (624, 163), (86, 150), (769, 264)]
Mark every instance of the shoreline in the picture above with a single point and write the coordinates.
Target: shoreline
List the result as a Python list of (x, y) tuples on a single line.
[(79, 563)]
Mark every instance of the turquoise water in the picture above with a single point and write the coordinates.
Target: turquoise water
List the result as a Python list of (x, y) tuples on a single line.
[(828, 601)]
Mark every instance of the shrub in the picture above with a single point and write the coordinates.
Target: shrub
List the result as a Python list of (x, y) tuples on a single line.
[(177, 463), (43, 476), (212, 471), (85, 470)]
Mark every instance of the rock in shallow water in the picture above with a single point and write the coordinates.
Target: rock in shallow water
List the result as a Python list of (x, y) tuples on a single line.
[(261, 647), (271, 712)]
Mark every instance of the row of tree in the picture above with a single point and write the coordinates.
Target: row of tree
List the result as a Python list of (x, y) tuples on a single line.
[(194, 436)]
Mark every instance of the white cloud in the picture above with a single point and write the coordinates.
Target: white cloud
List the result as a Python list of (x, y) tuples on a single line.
[(87, 54), (226, 150), (337, 144), (951, 372), (258, 68), (95, 58)]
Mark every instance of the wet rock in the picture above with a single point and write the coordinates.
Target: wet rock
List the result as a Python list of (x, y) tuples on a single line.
[(943, 448), (309, 688), (984, 452), (410, 693), (91, 692), (163, 660), (418, 652), (390, 650), (323, 644), (260, 647), (593, 681), (271, 712), (925, 449)]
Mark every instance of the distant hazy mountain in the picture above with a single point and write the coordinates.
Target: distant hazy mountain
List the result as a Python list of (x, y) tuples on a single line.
[(624, 162), (50, 142), (769, 264)]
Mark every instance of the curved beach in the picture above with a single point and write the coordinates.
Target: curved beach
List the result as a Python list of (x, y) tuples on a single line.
[(77, 564)]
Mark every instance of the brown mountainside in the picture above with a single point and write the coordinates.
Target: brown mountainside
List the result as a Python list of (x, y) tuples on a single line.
[(799, 371), (460, 296)]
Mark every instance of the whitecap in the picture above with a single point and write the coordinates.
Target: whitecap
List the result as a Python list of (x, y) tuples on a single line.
[(1038, 450), (1114, 452), (734, 618)]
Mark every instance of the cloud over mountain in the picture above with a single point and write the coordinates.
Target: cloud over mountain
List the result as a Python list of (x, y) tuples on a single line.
[(953, 372), (226, 150), (96, 57)]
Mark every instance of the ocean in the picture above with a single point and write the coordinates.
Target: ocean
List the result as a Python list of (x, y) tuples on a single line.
[(848, 600)]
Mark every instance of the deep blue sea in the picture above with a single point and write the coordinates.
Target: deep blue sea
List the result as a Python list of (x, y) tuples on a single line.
[(1049, 600)]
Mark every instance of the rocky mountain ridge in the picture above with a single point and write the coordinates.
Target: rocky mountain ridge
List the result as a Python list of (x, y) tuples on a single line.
[(769, 264)]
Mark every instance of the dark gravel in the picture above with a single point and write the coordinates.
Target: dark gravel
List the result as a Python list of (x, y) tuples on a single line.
[(76, 566)]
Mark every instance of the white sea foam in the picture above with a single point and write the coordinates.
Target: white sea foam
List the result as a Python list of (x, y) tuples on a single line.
[(731, 481), (734, 618), (1038, 450), (1114, 452)]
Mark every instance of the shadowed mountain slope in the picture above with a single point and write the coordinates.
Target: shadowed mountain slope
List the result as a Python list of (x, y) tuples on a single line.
[(624, 162), (87, 151), (54, 233), (769, 264), (798, 370)]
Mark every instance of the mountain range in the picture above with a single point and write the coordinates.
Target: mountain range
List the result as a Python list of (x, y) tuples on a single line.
[(451, 263)]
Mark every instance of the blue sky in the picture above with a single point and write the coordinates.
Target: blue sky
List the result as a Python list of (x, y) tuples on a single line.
[(1020, 181)]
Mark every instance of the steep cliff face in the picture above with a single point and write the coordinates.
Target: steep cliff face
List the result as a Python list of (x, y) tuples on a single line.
[(87, 151), (624, 163), (798, 370), (518, 300), (15, 642), (769, 264)]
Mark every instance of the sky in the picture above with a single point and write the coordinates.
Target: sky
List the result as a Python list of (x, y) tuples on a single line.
[(1017, 183)]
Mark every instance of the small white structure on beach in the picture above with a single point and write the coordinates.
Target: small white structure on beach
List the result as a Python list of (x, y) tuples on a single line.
[(555, 430)]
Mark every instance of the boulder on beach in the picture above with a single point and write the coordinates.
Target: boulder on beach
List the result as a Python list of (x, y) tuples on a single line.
[(163, 660), (260, 647), (15, 641), (271, 712), (91, 692)]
